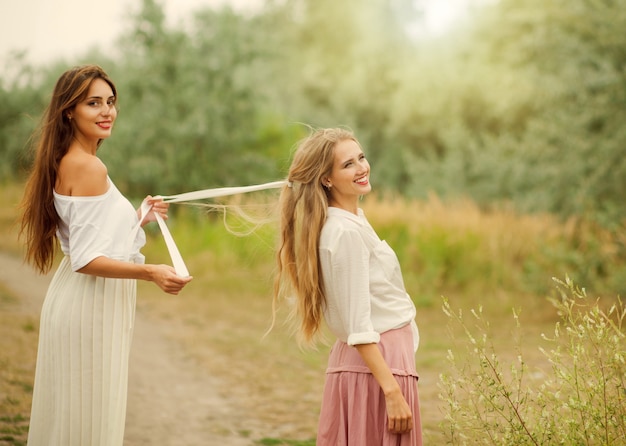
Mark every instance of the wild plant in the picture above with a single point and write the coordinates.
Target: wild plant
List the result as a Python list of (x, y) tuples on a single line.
[(578, 398)]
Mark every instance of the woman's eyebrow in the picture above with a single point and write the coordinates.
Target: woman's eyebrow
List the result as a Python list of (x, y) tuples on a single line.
[(352, 158)]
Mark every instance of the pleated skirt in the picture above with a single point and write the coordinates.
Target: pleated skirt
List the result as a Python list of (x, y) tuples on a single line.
[(81, 377), (353, 409)]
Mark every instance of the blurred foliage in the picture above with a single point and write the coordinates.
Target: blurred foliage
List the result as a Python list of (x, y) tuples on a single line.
[(522, 102)]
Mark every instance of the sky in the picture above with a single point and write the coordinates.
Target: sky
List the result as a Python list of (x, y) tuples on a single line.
[(53, 29)]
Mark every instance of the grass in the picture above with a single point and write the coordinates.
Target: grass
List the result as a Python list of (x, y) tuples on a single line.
[(10, 194), (18, 337), (18, 343), (495, 259)]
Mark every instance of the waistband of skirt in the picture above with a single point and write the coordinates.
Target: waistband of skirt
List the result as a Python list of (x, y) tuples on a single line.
[(396, 346)]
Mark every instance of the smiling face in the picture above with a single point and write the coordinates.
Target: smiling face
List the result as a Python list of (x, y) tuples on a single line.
[(349, 177), (93, 117)]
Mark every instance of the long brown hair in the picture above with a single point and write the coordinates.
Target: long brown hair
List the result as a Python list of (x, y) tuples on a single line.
[(303, 208), (39, 218)]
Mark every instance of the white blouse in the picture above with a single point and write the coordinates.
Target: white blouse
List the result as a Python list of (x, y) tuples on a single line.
[(365, 293), (102, 225)]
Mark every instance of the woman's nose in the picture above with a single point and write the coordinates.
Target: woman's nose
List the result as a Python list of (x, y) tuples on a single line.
[(106, 109)]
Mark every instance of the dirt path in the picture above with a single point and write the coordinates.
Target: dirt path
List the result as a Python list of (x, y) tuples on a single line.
[(171, 401)]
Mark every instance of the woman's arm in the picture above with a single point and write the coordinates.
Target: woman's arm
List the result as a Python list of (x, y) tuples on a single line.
[(398, 411), (164, 276)]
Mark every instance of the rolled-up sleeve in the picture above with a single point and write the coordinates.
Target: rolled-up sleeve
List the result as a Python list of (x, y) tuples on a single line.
[(345, 267)]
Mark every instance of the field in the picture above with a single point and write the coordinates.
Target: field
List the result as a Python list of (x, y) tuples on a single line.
[(493, 259)]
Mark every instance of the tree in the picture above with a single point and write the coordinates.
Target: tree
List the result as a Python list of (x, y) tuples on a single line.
[(575, 146), (22, 105), (190, 118)]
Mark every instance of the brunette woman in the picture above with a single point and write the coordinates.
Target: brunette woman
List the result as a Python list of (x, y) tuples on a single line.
[(79, 396)]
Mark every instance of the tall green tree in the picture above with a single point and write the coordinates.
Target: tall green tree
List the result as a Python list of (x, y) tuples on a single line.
[(22, 105), (526, 104), (528, 108), (188, 113), (341, 62), (575, 147)]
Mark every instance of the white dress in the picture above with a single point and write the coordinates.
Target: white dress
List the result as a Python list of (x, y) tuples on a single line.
[(79, 396)]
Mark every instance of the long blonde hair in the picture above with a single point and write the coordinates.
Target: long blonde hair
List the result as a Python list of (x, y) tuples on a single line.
[(39, 218), (303, 208)]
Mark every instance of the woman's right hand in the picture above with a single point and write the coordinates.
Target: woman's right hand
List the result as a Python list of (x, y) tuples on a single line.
[(166, 278)]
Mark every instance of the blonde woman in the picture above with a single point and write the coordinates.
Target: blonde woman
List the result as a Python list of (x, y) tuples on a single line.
[(79, 396), (342, 273)]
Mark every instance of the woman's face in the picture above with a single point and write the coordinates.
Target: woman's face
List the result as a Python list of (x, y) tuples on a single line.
[(349, 177), (93, 117)]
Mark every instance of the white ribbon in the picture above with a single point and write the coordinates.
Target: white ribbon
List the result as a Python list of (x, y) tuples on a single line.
[(177, 259), (221, 192)]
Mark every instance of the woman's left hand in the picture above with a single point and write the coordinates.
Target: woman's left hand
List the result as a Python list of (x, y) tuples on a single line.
[(157, 206), (399, 416)]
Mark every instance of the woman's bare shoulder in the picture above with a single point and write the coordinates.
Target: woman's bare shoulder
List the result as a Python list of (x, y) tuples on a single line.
[(81, 174)]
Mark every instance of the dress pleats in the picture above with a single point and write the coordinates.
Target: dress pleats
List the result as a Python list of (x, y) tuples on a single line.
[(79, 396)]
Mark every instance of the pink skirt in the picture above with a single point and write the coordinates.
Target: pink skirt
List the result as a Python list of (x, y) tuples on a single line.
[(353, 409)]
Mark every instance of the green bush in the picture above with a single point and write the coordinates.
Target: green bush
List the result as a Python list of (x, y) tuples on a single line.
[(580, 400)]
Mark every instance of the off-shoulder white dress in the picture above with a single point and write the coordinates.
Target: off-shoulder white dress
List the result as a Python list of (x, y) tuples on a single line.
[(79, 396)]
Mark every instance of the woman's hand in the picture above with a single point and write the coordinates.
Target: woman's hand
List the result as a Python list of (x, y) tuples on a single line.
[(166, 278), (399, 416), (400, 419), (157, 206)]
